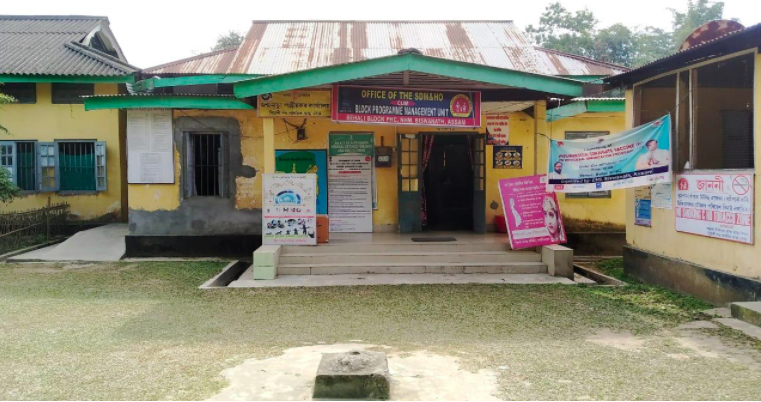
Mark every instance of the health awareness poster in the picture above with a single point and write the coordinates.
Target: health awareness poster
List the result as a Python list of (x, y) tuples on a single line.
[(532, 214), (350, 182), (634, 158), (290, 205), (307, 161)]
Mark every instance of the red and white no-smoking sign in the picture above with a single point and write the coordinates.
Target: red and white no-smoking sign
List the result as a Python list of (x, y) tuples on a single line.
[(716, 205)]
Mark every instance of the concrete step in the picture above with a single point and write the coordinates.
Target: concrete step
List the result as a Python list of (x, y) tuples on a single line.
[(464, 257), (749, 312), (405, 247), (412, 268)]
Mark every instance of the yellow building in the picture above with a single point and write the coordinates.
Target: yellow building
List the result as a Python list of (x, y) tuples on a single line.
[(704, 238), (55, 151), (460, 178)]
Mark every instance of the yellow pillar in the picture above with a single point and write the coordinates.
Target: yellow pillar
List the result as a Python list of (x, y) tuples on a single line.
[(541, 140), (269, 145)]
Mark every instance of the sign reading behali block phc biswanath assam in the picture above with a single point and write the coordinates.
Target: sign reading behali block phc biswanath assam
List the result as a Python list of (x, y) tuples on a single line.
[(406, 106)]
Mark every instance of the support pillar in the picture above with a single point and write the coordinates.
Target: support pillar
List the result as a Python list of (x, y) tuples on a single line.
[(269, 144), (541, 140)]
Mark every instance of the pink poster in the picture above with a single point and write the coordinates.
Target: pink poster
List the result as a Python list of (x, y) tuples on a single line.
[(532, 214)]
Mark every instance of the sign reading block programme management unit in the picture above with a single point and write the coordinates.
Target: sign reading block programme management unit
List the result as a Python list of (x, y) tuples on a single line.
[(406, 106), (715, 205)]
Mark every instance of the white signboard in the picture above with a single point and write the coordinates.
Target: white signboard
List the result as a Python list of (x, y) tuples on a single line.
[(150, 155), (715, 205), (661, 196), (350, 182), (498, 128), (289, 215)]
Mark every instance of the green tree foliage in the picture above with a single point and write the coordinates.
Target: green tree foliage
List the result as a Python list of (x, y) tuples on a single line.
[(4, 100), (230, 40), (577, 33), (697, 14), (8, 190)]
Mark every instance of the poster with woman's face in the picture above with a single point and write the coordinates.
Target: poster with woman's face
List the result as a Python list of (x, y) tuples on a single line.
[(532, 214)]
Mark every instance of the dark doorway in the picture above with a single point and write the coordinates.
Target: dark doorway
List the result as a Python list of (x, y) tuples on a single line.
[(448, 184)]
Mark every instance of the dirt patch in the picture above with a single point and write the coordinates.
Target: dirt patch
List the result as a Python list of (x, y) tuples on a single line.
[(418, 375), (619, 340)]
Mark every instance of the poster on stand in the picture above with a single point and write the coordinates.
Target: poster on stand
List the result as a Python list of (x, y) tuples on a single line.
[(532, 214), (634, 158), (307, 161), (289, 210), (716, 205), (350, 182), (150, 148)]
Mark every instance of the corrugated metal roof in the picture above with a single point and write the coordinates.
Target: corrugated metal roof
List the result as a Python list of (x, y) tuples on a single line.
[(217, 62), (52, 45), (278, 47)]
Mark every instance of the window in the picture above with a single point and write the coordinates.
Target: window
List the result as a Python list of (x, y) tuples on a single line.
[(71, 93), (206, 165), (22, 92), (712, 113), (76, 166), (26, 165), (723, 114), (580, 135), (8, 158)]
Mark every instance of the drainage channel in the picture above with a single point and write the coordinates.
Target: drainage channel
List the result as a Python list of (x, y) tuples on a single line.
[(229, 274)]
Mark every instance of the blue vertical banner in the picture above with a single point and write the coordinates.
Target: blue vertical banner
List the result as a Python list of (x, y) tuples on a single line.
[(633, 158), (307, 161)]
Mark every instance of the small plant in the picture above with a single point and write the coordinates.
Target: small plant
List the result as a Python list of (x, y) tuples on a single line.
[(8, 190)]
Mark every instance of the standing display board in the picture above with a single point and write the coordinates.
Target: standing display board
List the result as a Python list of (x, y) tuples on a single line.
[(294, 104), (532, 214), (634, 158), (715, 205), (150, 154), (289, 209), (406, 106), (497, 128), (307, 161), (350, 182)]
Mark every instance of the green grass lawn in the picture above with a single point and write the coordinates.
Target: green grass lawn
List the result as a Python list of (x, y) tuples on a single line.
[(145, 331)]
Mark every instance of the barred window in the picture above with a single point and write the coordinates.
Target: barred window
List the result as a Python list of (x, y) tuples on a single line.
[(21, 91), (206, 165), (64, 93), (26, 166)]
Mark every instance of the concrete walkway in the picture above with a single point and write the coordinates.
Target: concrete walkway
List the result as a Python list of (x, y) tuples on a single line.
[(246, 280), (104, 243)]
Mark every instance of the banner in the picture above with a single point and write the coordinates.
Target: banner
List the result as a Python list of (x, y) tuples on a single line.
[(294, 104), (350, 182), (497, 128), (715, 205), (288, 216), (307, 161), (531, 213), (406, 106), (637, 157)]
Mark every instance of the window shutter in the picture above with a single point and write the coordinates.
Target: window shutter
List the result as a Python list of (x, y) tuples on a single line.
[(47, 167), (101, 183), (8, 158)]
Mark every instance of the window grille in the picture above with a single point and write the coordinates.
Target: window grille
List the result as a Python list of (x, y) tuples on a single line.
[(206, 165), (64, 93), (26, 166), (76, 166), (21, 91)]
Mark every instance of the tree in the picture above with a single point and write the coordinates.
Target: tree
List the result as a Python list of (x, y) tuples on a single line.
[(697, 14), (4, 100), (230, 40), (8, 190), (561, 30), (616, 44)]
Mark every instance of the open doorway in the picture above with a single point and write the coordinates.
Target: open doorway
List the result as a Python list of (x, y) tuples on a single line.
[(448, 183)]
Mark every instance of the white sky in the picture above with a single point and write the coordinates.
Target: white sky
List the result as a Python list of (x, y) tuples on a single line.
[(155, 32)]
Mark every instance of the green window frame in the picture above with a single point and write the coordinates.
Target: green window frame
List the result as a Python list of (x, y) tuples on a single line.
[(71, 166)]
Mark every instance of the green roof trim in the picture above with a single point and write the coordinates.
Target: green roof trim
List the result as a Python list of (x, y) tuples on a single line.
[(75, 79), (585, 78), (407, 62), (585, 106), (165, 102), (156, 82)]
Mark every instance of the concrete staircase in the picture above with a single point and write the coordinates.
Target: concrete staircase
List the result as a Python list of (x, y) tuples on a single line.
[(406, 257)]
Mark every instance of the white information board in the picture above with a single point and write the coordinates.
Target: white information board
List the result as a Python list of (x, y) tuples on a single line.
[(150, 155), (289, 215), (715, 205)]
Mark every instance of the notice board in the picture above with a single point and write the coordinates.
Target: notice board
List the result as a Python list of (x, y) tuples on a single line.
[(150, 153), (350, 182), (289, 210)]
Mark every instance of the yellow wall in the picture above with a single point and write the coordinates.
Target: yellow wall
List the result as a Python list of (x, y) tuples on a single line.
[(662, 238), (606, 210), (44, 121)]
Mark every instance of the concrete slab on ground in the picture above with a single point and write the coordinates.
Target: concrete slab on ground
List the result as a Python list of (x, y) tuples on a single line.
[(749, 312), (104, 243), (742, 326), (246, 280), (720, 312)]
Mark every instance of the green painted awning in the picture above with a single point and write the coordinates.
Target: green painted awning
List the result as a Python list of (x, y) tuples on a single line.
[(165, 101), (408, 62), (78, 79), (157, 82), (585, 105)]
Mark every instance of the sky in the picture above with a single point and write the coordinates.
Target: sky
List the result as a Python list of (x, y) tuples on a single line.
[(156, 32)]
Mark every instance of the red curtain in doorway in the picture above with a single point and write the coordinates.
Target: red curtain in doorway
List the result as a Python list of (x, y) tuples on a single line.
[(427, 148)]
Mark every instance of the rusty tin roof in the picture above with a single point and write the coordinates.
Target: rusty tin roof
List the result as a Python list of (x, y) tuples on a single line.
[(217, 62)]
